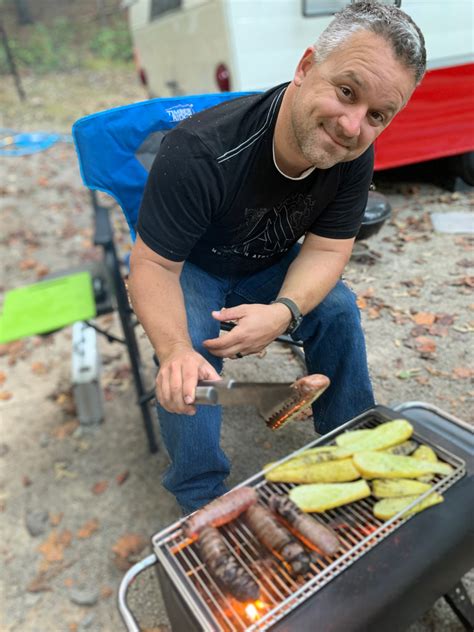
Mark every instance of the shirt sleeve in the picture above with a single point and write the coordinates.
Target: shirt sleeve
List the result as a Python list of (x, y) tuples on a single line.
[(180, 197), (343, 216)]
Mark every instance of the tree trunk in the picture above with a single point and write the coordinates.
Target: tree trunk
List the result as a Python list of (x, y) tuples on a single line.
[(23, 12), (11, 63)]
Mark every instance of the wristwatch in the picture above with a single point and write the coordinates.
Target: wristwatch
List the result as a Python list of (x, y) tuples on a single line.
[(296, 315)]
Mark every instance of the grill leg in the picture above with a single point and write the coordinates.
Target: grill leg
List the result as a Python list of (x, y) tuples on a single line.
[(461, 604)]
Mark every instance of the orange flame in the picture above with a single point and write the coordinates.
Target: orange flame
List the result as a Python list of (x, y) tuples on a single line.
[(254, 610), (251, 612)]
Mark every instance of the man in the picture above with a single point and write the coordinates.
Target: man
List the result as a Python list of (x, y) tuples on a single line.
[(231, 191)]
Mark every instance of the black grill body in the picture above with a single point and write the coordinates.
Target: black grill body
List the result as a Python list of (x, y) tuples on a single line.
[(396, 582)]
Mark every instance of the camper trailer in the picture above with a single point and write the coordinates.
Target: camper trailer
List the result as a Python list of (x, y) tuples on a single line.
[(197, 46)]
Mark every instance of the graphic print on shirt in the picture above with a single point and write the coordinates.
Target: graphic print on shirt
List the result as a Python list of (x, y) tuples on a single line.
[(275, 232)]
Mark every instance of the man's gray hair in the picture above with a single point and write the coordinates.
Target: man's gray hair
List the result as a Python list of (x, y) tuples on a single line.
[(388, 21)]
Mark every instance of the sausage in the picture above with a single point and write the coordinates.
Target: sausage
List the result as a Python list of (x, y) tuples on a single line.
[(277, 539), (311, 383), (220, 511), (315, 535), (232, 577)]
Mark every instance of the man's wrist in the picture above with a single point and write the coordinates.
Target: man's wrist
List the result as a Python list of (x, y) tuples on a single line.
[(173, 347), (294, 312)]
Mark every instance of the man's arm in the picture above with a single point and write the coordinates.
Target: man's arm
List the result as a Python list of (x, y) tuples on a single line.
[(316, 270), (153, 277), (309, 279)]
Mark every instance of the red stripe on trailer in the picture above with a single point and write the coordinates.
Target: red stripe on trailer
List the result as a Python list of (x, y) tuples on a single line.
[(438, 121)]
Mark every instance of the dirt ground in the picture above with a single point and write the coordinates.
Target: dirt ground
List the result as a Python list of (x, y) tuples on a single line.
[(78, 503)]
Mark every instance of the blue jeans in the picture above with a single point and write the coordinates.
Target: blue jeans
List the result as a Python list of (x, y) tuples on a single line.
[(333, 343)]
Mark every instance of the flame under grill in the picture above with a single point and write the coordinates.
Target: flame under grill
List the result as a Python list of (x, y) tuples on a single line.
[(357, 528)]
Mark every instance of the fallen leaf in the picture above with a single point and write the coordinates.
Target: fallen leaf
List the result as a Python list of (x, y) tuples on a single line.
[(127, 548), (106, 592), (61, 471), (26, 481), (438, 330), (53, 547), (462, 373), (466, 281), (437, 372), (444, 319), (122, 477), (99, 487), (39, 368), (424, 318), (463, 329), (55, 519), (423, 379), (415, 282), (3, 377), (374, 312), (68, 582), (465, 263), (406, 374), (424, 345), (66, 429), (418, 330), (361, 302), (39, 584), (41, 271), (28, 264), (88, 528), (5, 395)]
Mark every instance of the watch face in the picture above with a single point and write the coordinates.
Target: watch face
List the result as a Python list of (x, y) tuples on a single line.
[(293, 326)]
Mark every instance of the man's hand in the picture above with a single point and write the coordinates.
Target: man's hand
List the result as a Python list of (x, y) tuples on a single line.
[(256, 326), (177, 378)]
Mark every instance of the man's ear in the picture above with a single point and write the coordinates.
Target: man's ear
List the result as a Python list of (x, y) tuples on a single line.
[(306, 62)]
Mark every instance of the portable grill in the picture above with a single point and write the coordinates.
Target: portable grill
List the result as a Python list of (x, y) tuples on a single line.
[(344, 591)]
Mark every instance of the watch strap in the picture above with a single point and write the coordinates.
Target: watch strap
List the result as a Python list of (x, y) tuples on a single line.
[(296, 315)]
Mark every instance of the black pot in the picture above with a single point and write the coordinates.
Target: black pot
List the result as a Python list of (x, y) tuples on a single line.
[(377, 211)]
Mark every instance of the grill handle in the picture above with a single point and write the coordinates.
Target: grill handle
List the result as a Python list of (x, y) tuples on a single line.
[(128, 579)]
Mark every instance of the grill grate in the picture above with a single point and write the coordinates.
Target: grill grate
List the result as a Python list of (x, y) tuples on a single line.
[(357, 528)]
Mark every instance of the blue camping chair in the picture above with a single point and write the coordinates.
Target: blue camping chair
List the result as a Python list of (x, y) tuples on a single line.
[(116, 149)]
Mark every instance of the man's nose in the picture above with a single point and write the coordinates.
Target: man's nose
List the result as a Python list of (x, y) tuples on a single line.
[(351, 121)]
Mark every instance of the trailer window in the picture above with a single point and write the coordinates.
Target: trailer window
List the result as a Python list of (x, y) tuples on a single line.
[(313, 8), (158, 7)]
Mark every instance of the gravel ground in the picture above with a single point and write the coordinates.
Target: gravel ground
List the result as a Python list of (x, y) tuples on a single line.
[(78, 504)]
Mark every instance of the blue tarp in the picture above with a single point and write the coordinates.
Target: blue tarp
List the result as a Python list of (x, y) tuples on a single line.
[(24, 143)]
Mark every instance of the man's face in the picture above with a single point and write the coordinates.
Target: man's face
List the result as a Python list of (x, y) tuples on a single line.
[(342, 104)]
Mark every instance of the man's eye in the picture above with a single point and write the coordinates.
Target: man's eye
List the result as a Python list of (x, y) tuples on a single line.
[(345, 91), (378, 117)]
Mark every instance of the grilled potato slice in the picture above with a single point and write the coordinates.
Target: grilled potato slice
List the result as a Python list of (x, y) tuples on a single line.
[(389, 507), (382, 465), (327, 472), (323, 496), (396, 487), (380, 438)]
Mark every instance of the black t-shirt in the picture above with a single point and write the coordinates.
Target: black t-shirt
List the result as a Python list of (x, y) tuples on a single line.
[(214, 196)]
